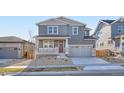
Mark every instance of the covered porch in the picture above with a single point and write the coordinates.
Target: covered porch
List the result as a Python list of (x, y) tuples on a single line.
[(52, 45), (119, 43)]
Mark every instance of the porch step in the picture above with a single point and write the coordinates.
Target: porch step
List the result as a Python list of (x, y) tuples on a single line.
[(62, 55)]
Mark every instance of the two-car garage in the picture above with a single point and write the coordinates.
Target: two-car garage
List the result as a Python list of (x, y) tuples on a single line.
[(80, 51)]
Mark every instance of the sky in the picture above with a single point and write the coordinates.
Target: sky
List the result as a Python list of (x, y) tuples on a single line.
[(20, 26)]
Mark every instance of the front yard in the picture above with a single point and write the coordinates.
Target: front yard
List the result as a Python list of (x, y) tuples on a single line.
[(6, 70), (114, 59), (45, 61), (32, 65)]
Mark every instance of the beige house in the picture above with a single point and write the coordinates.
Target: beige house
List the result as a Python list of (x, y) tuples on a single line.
[(103, 35)]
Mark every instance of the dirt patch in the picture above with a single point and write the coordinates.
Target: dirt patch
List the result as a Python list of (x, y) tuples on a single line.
[(48, 60), (114, 60)]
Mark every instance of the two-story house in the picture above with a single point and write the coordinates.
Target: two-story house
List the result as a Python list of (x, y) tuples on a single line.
[(110, 35), (103, 35), (64, 36), (117, 28)]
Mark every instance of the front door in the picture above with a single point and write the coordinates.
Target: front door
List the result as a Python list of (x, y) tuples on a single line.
[(61, 46)]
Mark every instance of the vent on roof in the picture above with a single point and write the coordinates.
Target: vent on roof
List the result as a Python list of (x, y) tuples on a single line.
[(122, 19)]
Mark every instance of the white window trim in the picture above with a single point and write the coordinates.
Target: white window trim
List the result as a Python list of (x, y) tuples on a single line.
[(73, 31), (85, 33), (52, 30)]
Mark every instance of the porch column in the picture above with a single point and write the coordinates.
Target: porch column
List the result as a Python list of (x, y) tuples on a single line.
[(66, 46), (120, 43), (36, 47)]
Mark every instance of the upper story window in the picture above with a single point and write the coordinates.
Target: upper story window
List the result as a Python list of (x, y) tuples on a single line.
[(75, 30), (120, 29), (86, 33), (52, 29)]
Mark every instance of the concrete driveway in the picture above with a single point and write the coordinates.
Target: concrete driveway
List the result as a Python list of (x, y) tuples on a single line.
[(88, 60), (5, 60), (94, 63)]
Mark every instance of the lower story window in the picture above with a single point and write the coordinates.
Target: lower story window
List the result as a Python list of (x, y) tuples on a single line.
[(122, 44), (48, 44), (110, 42)]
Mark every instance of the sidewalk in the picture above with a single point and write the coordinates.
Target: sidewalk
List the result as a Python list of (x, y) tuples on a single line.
[(73, 73), (95, 66)]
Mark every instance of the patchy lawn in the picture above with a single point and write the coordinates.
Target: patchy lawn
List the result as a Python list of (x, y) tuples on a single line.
[(6, 70), (11, 70), (46, 60)]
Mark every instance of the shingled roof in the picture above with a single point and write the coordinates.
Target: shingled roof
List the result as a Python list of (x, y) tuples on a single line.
[(61, 21), (13, 39), (70, 21)]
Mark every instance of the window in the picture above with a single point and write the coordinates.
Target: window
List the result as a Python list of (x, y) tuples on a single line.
[(101, 44), (48, 44), (110, 42), (55, 30), (51, 44), (86, 33), (52, 29), (75, 30), (45, 44), (120, 29), (122, 44), (15, 48)]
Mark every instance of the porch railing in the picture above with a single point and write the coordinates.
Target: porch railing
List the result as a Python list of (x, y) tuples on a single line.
[(48, 51)]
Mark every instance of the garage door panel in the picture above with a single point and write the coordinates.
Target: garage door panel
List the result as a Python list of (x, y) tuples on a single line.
[(8, 53), (80, 51)]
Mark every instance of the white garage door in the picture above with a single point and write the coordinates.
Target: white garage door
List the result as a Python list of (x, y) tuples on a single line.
[(80, 51)]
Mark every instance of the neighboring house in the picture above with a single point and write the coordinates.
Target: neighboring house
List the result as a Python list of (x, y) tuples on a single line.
[(12, 47), (103, 35), (64, 36), (110, 35), (117, 28)]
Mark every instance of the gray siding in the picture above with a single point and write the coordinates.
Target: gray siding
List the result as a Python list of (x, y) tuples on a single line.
[(66, 30), (76, 38), (42, 30), (62, 30), (114, 28)]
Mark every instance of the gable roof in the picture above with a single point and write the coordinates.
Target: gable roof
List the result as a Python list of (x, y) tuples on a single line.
[(119, 19), (108, 21), (61, 21), (70, 21), (51, 21), (12, 39)]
